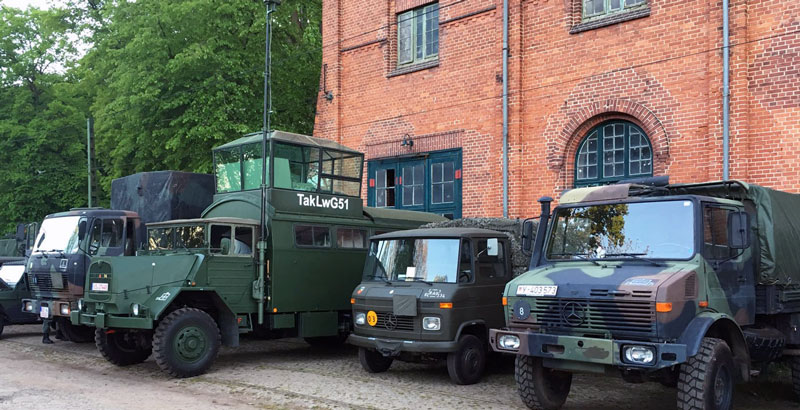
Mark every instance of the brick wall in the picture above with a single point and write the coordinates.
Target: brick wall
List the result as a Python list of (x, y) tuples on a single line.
[(661, 69)]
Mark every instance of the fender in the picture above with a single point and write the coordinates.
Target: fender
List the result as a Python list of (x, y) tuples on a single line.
[(164, 296), (713, 322), (473, 323)]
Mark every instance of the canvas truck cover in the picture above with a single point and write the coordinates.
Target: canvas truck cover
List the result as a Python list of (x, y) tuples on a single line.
[(163, 195), (778, 222)]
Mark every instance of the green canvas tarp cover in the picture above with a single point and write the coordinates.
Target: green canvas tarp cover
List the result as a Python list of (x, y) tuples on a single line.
[(778, 222)]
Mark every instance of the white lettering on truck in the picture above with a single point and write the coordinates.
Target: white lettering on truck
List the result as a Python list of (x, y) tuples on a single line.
[(327, 203)]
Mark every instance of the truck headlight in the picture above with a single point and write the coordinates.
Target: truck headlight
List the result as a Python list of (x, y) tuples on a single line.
[(28, 307), (638, 354), (508, 342), (135, 309), (361, 318), (431, 323), (64, 309)]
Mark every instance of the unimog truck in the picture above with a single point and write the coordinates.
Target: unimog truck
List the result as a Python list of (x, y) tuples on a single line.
[(202, 282), (13, 288), (61, 254), (692, 285), (430, 294)]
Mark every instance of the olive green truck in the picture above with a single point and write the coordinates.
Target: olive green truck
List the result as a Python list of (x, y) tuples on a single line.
[(692, 285), (202, 282)]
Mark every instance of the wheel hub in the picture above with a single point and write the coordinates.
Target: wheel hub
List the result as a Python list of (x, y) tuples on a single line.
[(190, 344)]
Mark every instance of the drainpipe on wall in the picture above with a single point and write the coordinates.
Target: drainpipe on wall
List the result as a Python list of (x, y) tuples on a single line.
[(505, 108), (725, 91)]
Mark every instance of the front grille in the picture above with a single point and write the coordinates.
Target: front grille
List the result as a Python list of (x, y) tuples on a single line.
[(636, 317), (390, 321), (43, 282)]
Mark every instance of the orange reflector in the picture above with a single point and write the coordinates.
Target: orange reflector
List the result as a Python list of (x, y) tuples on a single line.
[(445, 305), (663, 307), (703, 304), (505, 301), (194, 283), (274, 310), (352, 301)]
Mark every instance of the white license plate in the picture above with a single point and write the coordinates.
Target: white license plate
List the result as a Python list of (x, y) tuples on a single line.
[(99, 287), (536, 290), (44, 312)]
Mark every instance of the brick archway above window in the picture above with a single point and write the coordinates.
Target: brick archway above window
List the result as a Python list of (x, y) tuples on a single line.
[(584, 120)]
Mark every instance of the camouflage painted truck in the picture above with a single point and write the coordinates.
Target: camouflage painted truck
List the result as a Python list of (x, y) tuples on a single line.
[(693, 285), (202, 282), (68, 241), (17, 246)]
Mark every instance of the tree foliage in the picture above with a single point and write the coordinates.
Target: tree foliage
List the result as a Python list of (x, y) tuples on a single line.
[(165, 81)]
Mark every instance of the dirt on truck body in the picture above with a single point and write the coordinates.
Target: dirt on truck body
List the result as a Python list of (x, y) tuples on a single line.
[(692, 285)]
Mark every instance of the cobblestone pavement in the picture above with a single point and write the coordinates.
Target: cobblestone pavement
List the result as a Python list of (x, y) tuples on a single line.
[(290, 374)]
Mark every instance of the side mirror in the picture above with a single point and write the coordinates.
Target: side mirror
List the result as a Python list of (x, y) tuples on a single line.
[(82, 230), (528, 235), (20, 236), (739, 230), (492, 247)]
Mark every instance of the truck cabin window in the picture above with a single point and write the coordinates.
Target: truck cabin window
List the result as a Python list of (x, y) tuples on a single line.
[(238, 168), (106, 233), (490, 266), (232, 241), (715, 233), (58, 235), (303, 168), (159, 239), (660, 230), (176, 238), (409, 260)]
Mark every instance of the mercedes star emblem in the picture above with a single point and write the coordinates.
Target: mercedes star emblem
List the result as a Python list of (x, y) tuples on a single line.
[(573, 313)]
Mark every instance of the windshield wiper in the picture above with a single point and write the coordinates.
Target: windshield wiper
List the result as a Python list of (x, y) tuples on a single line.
[(423, 281), (383, 278), (582, 256), (638, 256)]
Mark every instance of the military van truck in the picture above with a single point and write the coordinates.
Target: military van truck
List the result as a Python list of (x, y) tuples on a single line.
[(693, 285), (13, 288), (61, 254), (16, 246), (431, 294), (202, 282)]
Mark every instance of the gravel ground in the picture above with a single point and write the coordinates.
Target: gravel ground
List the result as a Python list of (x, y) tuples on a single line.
[(290, 374)]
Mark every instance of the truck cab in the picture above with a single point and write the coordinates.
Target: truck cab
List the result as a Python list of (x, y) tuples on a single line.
[(275, 256), (672, 283), (61, 253), (13, 288), (430, 294)]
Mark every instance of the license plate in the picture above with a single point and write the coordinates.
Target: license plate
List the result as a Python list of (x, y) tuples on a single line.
[(44, 312), (536, 290), (100, 287)]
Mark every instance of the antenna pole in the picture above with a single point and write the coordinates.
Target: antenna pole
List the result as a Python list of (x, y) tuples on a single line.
[(258, 288)]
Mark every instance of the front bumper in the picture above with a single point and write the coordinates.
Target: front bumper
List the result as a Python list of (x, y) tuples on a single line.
[(103, 320), (586, 353), (393, 347), (53, 307)]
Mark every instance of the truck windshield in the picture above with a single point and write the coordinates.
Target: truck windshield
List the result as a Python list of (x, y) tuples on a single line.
[(430, 260), (238, 168), (661, 230), (58, 235)]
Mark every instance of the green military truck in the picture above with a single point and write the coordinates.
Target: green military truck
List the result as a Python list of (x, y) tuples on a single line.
[(13, 288), (201, 282), (16, 246), (692, 285), (431, 294)]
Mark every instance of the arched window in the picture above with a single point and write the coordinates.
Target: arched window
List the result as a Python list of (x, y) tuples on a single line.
[(611, 152)]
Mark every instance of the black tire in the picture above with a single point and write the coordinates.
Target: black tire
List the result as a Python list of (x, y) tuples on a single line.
[(121, 348), (76, 334), (795, 363), (2, 325), (186, 342), (326, 341), (466, 365), (541, 388), (706, 379), (372, 361)]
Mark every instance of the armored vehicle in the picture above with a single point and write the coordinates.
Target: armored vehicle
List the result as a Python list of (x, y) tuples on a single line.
[(63, 249), (429, 294), (693, 285), (13, 288), (202, 282)]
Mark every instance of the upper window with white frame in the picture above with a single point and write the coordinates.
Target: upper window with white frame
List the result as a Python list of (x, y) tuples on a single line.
[(418, 35), (601, 8)]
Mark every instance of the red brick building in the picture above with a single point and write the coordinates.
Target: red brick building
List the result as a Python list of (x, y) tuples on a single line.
[(599, 90)]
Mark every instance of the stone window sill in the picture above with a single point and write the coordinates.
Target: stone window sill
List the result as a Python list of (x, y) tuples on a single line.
[(406, 69), (611, 19)]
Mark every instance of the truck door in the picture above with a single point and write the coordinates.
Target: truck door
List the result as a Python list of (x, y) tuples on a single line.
[(231, 267), (731, 283), (492, 273)]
